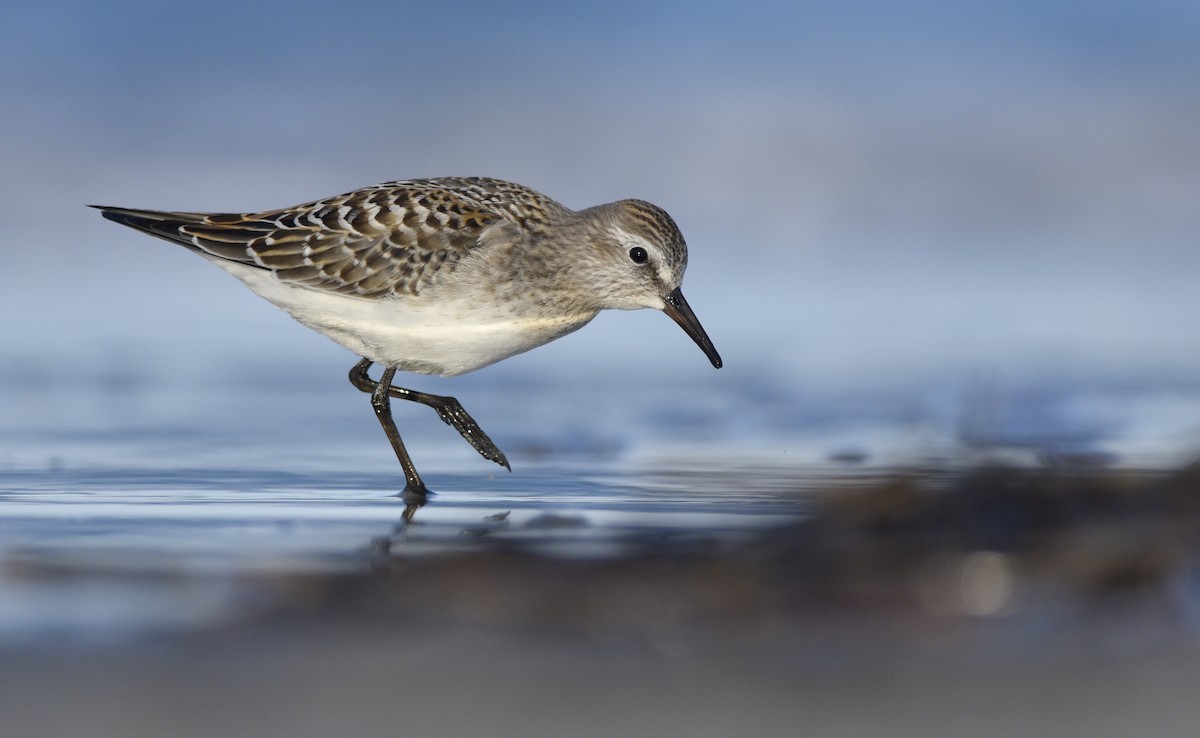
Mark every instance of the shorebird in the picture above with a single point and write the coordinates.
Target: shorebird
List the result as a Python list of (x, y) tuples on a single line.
[(442, 276)]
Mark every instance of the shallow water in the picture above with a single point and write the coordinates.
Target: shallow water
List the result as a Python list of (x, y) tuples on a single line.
[(697, 557), (98, 552), (130, 503)]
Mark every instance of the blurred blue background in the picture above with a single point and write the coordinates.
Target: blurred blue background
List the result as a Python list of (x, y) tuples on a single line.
[(879, 198)]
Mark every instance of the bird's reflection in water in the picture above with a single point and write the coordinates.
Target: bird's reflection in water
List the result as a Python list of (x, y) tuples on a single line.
[(412, 503), (436, 534), (382, 545)]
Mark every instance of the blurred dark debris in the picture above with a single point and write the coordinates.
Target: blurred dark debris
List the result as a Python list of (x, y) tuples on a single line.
[(849, 456), (972, 545), (989, 543)]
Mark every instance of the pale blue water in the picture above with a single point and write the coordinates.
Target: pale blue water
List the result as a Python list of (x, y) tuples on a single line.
[(133, 502), (129, 503)]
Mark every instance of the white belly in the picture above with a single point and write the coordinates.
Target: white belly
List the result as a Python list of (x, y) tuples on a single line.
[(428, 335)]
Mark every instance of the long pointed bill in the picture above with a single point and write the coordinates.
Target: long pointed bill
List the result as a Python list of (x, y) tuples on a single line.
[(677, 309)]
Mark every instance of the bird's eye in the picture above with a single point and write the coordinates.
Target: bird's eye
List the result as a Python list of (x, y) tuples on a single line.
[(638, 255)]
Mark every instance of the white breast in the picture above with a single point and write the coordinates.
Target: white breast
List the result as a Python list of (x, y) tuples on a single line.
[(429, 335)]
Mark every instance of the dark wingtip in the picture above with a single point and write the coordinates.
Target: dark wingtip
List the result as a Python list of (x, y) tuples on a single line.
[(114, 214), (162, 225)]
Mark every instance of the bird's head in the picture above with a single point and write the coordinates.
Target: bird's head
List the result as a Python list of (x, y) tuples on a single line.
[(636, 258)]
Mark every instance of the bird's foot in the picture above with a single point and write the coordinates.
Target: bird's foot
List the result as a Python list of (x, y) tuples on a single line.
[(453, 414)]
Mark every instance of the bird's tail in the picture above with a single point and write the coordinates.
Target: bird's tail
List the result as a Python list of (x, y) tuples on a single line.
[(166, 225)]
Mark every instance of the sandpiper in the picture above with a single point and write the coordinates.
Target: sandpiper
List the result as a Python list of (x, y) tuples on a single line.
[(442, 276)]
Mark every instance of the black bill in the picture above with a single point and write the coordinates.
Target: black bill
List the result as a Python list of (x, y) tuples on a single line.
[(678, 310)]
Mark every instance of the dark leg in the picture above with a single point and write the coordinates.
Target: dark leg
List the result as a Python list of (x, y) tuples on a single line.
[(448, 409), (382, 404)]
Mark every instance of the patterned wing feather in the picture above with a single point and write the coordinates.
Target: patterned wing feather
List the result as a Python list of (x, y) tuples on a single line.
[(388, 239)]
